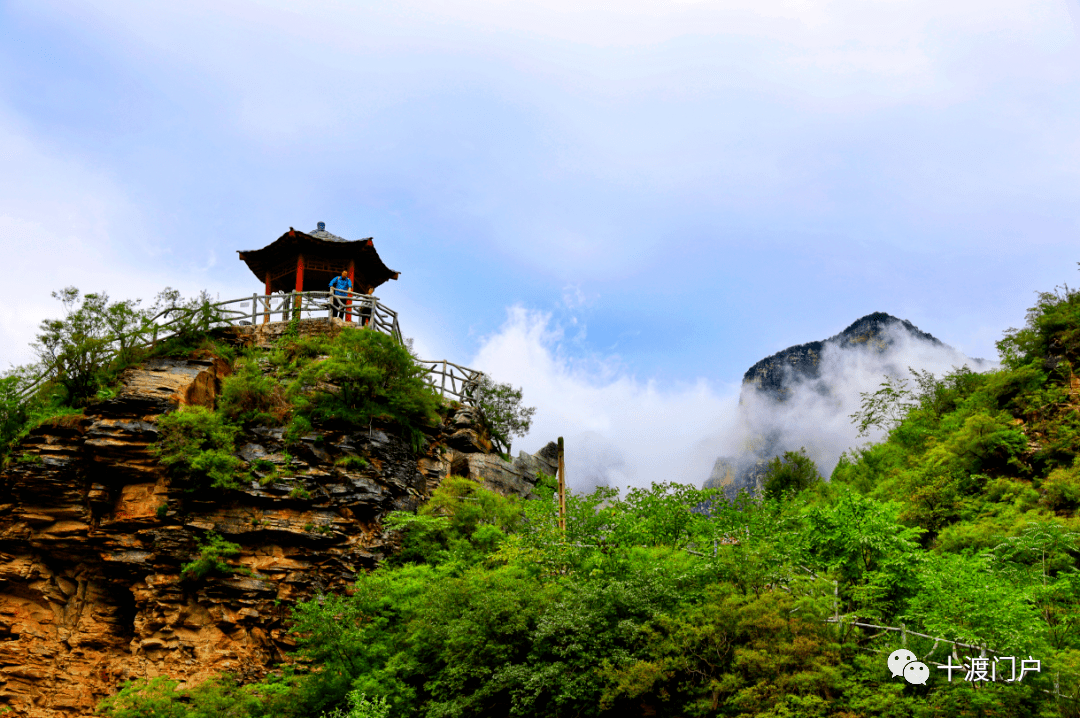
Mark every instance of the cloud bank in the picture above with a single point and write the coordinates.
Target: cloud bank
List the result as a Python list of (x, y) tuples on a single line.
[(626, 432), (816, 415)]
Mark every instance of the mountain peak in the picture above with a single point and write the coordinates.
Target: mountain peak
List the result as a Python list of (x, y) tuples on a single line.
[(800, 362)]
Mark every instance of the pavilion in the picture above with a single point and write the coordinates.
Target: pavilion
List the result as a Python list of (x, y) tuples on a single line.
[(298, 261)]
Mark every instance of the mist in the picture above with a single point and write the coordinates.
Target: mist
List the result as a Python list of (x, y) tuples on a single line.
[(626, 432), (816, 414)]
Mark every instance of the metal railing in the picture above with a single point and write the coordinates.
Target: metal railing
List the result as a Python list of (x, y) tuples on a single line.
[(363, 309)]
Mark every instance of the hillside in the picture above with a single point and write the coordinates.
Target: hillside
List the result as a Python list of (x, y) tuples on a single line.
[(164, 526), (955, 537)]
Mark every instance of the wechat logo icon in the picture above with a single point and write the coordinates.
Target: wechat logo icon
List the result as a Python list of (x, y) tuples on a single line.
[(903, 662)]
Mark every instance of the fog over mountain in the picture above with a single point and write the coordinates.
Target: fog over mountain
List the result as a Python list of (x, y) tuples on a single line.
[(804, 396), (624, 431)]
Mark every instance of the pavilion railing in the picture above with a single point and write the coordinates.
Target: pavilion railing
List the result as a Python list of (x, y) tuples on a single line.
[(451, 380), (263, 308)]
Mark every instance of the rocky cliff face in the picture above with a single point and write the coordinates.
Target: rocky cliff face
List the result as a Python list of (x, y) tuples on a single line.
[(770, 382), (93, 535), (774, 375)]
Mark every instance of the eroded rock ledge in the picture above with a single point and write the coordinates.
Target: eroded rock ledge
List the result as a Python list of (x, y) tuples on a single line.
[(92, 537)]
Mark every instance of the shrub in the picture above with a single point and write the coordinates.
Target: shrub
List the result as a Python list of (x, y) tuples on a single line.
[(156, 698), (250, 397), (501, 406), (792, 473), (351, 462), (212, 554), (360, 706), (197, 444), (368, 377), (1062, 489)]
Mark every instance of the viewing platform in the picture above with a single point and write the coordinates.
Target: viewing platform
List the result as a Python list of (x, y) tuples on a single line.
[(267, 317), (294, 270)]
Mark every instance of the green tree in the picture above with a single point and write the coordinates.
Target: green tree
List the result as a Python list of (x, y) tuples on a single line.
[(860, 541), (885, 408), (79, 348), (502, 407), (368, 377), (790, 474), (962, 597), (1051, 331), (14, 408)]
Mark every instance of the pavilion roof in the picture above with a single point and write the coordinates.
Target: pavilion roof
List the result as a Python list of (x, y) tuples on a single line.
[(277, 257)]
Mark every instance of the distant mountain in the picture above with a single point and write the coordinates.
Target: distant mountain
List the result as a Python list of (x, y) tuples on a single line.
[(769, 384), (775, 374)]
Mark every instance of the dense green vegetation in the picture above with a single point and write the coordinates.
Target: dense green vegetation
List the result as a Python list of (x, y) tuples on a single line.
[(81, 356), (356, 379), (214, 552), (670, 601)]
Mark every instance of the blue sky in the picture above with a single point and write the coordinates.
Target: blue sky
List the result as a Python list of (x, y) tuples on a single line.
[(640, 199)]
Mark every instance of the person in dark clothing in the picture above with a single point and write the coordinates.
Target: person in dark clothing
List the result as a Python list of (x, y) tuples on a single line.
[(340, 286)]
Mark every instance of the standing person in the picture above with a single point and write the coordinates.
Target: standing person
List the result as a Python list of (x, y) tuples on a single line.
[(340, 286)]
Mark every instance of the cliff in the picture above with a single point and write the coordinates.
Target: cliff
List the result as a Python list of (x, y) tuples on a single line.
[(93, 533), (775, 374), (768, 386)]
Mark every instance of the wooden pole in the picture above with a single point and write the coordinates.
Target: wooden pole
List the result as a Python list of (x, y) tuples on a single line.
[(562, 488)]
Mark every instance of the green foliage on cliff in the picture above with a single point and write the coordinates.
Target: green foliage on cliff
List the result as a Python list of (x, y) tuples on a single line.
[(366, 377), (248, 396), (669, 601), (460, 522), (81, 355), (197, 444), (213, 552)]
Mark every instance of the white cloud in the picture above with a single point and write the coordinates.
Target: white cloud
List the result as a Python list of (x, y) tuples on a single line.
[(626, 432), (817, 414), (616, 428)]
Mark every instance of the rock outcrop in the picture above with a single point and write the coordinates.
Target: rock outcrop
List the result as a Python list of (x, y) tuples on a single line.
[(93, 535), (775, 374), (770, 383)]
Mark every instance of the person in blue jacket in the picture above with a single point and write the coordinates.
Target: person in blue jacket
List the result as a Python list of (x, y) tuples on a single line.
[(340, 286)]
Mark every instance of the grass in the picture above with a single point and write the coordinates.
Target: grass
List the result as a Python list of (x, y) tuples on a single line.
[(352, 462)]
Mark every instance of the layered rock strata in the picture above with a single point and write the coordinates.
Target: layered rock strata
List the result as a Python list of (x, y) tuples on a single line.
[(93, 535)]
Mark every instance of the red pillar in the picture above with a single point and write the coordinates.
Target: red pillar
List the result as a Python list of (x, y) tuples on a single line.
[(352, 281), (299, 285), (266, 316)]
